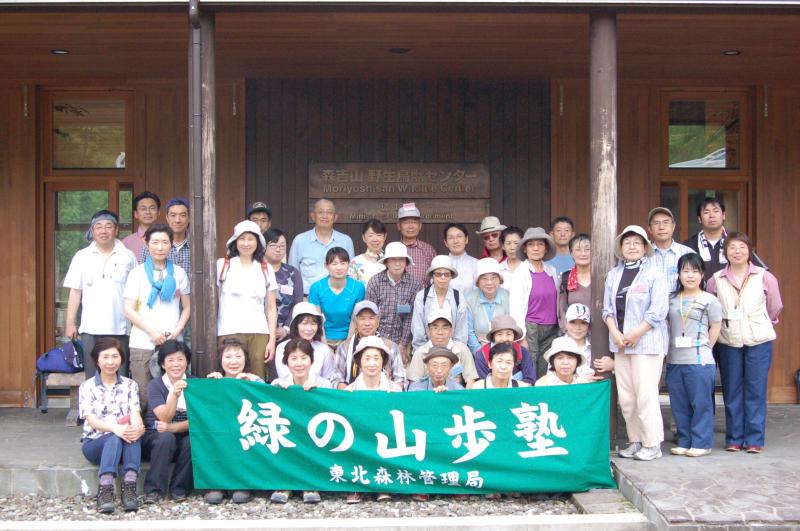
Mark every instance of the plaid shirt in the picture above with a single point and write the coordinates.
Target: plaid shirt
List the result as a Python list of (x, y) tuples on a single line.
[(422, 254), (181, 256), (388, 296)]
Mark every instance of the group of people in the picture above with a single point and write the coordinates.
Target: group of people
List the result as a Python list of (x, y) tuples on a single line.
[(400, 317)]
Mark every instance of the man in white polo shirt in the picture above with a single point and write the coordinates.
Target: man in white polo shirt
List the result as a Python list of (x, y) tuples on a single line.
[(96, 278)]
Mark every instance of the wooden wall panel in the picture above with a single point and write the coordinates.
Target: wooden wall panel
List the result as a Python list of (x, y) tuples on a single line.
[(777, 192), (504, 124), (230, 159), (637, 185), (18, 273)]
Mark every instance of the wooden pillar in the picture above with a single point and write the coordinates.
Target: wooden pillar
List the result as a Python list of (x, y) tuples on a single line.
[(603, 171), (202, 186)]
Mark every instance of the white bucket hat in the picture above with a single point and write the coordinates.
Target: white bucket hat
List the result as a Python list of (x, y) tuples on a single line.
[(537, 233), (490, 224), (442, 261), (396, 250), (303, 307), (639, 231), (371, 342), (565, 344), (247, 226), (488, 265)]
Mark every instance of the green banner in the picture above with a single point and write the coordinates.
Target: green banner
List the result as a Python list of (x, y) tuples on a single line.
[(247, 435)]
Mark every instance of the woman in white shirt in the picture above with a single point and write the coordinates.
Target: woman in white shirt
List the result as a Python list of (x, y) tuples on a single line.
[(247, 288), (456, 239)]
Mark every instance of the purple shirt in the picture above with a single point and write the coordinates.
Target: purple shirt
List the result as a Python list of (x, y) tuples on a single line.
[(542, 301)]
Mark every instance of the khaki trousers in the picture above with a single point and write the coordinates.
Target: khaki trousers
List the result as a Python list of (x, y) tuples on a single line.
[(638, 376), (256, 345), (140, 372)]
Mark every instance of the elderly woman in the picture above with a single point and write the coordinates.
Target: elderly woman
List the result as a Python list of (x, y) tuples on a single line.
[(576, 284), (564, 357), (365, 266), (505, 330), (439, 295), (109, 406), (456, 239), (307, 324), (534, 299), (371, 356), (490, 300), (502, 359), (336, 295), (751, 304), (167, 437), (247, 296), (298, 356), (232, 362), (635, 305)]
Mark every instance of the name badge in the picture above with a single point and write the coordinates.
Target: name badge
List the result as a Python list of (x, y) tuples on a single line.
[(403, 309), (639, 288), (735, 314), (286, 290), (684, 342)]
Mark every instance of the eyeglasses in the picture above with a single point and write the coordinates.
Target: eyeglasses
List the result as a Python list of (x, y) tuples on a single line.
[(662, 223), (442, 274), (276, 246), (491, 236), (633, 243)]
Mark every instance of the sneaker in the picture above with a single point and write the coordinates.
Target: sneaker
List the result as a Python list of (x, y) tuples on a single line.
[(280, 496), (420, 497), (631, 450), (241, 496), (648, 453), (678, 450), (733, 448), (213, 497), (698, 452), (152, 497), (105, 499), (130, 501), (311, 496), (755, 449), (353, 497)]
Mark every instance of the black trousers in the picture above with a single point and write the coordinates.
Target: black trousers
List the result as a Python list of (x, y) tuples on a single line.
[(161, 449)]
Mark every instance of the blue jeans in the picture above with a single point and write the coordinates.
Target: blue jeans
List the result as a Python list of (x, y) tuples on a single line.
[(107, 451), (744, 372), (690, 388)]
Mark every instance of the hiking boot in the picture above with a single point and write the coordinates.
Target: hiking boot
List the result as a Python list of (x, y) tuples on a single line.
[(105, 499), (648, 453), (631, 450), (152, 497), (241, 496), (213, 497), (130, 501), (311, 496), (280, 496)]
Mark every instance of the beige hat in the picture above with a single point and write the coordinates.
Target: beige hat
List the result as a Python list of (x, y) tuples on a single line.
[(504, 322), (659, 210), (440, 352), (371, 342), (490, 224), (565, 344), (441, 313), (396, 250), (486, 266), (639, 231), (537, 233), (442, 261), (247, 226)]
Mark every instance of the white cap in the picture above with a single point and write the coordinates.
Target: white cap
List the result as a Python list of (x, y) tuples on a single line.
[(578, 311), (408, 210), (441, 313)]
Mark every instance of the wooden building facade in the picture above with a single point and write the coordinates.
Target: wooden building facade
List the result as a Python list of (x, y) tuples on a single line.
[(500, 85)]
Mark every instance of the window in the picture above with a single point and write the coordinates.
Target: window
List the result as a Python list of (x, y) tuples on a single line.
[(704, 134)]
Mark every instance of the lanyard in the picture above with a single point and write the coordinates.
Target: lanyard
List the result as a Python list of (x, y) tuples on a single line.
[(685, 319), (739, 291)]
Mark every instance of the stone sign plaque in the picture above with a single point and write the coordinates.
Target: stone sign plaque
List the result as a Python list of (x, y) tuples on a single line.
[(444, 192)]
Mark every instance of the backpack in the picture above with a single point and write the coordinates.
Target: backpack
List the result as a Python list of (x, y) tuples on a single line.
[(68, 358), (428, 290), (223, 274)]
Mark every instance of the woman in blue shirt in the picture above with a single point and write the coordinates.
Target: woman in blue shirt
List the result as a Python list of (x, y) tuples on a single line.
[(336, 295)]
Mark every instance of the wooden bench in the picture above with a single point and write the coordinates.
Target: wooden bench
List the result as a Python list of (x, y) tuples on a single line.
[(73, 382)]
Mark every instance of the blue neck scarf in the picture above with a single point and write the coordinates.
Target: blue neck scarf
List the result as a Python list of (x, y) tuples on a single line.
[(166, 287)]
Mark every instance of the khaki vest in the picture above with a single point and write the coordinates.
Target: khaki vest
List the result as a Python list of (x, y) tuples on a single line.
[(756, 326)]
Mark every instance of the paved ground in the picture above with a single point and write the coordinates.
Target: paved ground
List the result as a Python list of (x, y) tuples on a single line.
[(722, 489)]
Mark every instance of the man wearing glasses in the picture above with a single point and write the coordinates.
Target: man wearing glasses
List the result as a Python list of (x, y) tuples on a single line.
[(667, 251), (409, 223), (145, 212)]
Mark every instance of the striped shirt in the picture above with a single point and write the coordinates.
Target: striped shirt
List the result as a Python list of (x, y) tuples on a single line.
[(667, 261)]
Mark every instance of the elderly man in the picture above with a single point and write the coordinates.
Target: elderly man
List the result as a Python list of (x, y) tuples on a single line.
[(439, 361), (667, 251), (96, 279), (440, 295), (409, 223), (440, 332), (309, 248), (393, 291), (366, 317)]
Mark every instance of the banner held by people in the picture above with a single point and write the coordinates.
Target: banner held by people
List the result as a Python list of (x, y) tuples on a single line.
[(248, 435)]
